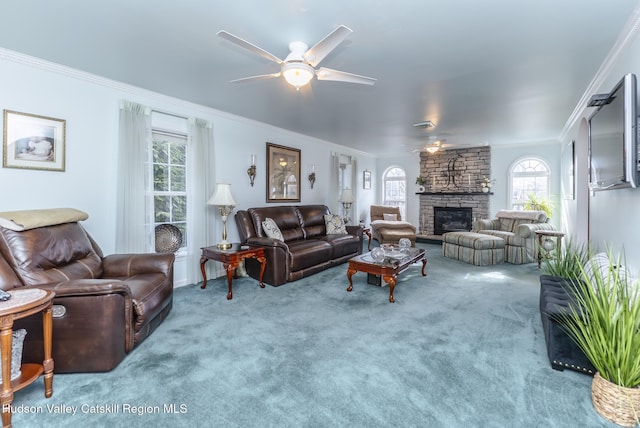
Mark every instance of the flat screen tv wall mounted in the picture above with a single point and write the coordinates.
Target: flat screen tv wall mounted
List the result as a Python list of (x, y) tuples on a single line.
[(613, 140)]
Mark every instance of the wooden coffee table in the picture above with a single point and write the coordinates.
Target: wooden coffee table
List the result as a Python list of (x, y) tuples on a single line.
[(389, 269)]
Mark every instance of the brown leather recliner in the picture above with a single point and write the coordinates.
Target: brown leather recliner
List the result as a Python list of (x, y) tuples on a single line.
[(104, 306)]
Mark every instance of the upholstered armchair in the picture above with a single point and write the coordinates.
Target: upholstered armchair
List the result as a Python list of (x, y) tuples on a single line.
[(387, 226), (518, 229)]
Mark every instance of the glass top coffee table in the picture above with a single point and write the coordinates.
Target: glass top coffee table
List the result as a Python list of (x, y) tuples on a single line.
[(389, 268)]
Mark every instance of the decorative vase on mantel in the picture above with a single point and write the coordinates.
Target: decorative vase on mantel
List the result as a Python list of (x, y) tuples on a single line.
[(485, 189)]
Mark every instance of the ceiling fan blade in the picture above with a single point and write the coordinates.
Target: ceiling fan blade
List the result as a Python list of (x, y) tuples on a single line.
[(321, 49), (259, 77), (324, 73), (248, 46)]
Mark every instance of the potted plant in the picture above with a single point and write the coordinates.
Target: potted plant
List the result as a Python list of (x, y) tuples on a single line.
[(534, 203), (566, 265), (421, 182), (486, 184), (604, 322)]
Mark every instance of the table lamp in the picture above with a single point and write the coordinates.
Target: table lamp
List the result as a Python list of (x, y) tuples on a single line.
[(224, 201), (347, 200)]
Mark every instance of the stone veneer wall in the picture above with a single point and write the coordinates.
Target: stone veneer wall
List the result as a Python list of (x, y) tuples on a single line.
[(479, 204), (454, 184)]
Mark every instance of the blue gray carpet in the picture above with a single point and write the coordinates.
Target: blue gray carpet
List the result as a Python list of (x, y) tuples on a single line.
[(461, 347)]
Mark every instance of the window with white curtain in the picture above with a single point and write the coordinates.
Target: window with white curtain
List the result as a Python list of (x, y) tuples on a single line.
[(169, 190), (394, 189), (528, 176)]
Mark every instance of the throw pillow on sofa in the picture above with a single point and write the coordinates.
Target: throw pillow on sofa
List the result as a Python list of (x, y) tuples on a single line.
[(334, 224), (390, 217), (271, 229)]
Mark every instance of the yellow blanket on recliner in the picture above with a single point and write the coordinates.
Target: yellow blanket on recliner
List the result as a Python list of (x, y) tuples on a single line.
[(31, 219)]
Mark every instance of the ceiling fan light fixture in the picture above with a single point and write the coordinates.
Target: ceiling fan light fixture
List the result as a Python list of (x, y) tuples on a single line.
[(432, 149), (297, 74)]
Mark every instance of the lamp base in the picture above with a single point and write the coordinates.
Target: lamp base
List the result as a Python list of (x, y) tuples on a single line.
[(224, 245)]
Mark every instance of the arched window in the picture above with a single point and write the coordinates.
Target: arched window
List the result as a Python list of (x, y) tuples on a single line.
[(394, 189), (528, 176)]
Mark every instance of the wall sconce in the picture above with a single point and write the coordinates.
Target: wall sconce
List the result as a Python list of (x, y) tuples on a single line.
[(251, 172), (312, 176)]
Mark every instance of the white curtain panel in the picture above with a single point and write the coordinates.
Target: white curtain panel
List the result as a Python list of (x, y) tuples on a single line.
[(356, 191), (201, 184), (134, 215), (334, 185)]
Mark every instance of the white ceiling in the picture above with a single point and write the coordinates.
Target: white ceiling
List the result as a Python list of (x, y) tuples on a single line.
[(491, 71)]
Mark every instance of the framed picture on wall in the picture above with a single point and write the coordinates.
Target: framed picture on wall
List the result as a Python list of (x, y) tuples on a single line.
[(283, 174), (33, 142), (366, 180)]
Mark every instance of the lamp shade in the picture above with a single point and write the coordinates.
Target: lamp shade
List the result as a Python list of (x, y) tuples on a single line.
[(347, 196), (297, 74), (222, 196)]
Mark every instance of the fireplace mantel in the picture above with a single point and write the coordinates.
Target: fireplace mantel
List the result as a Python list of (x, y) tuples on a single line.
[(453, 193)]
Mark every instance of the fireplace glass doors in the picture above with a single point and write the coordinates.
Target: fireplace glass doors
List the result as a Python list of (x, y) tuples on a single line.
[(448, 219)]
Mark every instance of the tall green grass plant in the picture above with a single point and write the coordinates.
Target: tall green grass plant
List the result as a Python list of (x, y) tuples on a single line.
[(568, 262), (605, 321)]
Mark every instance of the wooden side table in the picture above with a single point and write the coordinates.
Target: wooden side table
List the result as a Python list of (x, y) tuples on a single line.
[(543, 234), (231, 259), (25, 302), (367, 231)]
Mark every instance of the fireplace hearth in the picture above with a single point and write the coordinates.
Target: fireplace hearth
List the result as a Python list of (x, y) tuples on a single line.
[(451, 219)]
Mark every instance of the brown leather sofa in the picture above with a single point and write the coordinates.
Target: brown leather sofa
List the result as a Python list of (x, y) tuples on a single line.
[(104, 306), (305, 249)]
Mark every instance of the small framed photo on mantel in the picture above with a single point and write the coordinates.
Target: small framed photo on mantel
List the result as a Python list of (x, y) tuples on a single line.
[(33, 142)]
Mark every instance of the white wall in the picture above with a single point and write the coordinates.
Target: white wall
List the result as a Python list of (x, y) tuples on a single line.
[(608, 218), (90, 106)]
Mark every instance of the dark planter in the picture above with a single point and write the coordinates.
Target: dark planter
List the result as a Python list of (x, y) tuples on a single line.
[(556, 298)]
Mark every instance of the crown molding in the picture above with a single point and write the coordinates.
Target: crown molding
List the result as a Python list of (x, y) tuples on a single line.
[(627, 36), (135, 91)]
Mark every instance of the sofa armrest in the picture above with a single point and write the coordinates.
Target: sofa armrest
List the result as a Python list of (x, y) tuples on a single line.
[(275, 245), (86, 287), (125, 265), (355, 231), (267, 242), (529, 230), (278, 257), (486, 224), (84, 292)]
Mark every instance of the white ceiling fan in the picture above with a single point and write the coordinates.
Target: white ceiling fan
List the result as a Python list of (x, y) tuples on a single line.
[(434, 144), (298, 68)]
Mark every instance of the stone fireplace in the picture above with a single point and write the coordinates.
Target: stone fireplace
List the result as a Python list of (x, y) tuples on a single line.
[(454, 178)]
